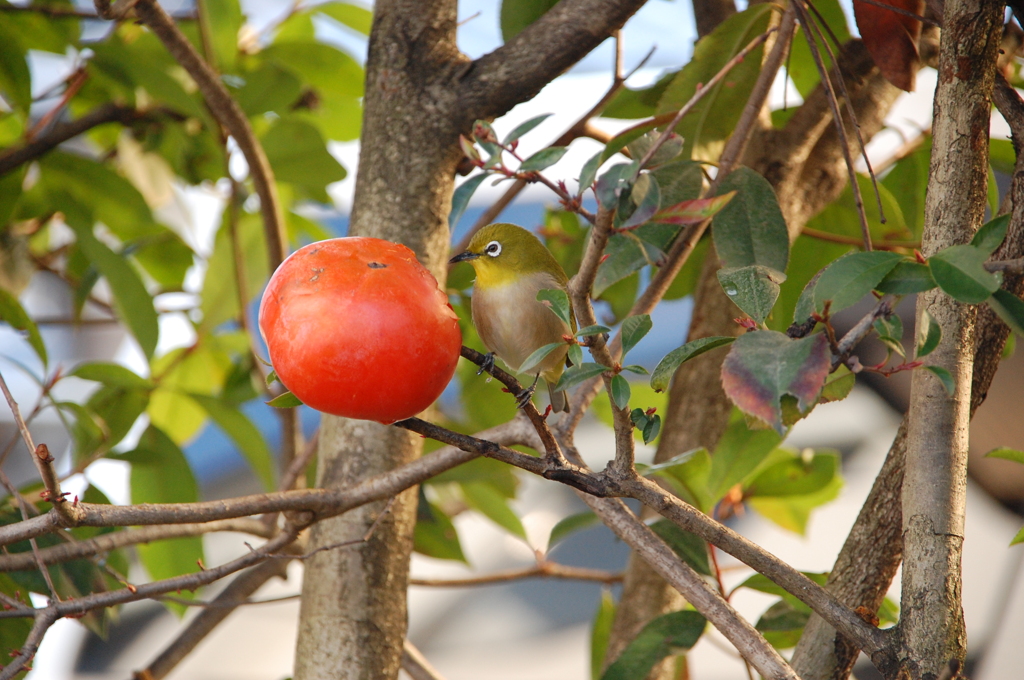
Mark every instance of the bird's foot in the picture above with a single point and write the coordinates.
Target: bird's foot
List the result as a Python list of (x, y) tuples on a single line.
[(523, 398), (488, 364)]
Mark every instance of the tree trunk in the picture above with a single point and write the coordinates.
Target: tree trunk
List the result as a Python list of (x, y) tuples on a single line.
[(353, 617), (935, 479), (421, 94)]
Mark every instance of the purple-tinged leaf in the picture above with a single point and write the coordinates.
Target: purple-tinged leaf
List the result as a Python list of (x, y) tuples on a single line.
[(763, 366), (693, 211)]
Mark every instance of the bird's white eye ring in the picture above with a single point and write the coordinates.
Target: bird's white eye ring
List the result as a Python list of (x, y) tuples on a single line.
[(493, 249)]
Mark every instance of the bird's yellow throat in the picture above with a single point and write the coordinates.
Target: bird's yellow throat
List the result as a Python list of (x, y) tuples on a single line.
[(491, 275)]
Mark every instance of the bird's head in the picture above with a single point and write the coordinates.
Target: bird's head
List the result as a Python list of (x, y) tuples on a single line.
[(501, 253)]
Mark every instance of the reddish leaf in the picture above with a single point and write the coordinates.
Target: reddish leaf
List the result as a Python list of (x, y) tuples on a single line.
[(763, 366), (694, 211), (891, 38)]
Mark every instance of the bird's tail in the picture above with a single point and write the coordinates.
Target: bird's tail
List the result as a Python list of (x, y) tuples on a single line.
[(559, 400)]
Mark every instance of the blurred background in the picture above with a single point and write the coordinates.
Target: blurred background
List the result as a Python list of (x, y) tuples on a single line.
[(534, 628)]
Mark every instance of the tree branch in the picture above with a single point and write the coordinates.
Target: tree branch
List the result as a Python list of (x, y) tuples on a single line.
[(104, 543), (516, 71), (544, 569), (224, 109)]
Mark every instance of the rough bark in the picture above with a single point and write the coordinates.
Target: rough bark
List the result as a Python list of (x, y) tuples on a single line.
[(873, 550), (804, 163), (421, 93), (935, 479)]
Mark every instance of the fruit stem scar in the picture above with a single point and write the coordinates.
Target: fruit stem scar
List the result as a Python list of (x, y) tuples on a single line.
[(316, 273), (376, 265)]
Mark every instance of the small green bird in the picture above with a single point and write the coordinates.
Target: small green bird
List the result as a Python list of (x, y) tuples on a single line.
[(512, 266)]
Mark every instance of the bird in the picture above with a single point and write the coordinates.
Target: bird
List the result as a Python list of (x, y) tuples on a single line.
[(512, 266)]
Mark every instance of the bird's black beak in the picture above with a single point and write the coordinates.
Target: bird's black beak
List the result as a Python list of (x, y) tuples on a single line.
[(463, 257)]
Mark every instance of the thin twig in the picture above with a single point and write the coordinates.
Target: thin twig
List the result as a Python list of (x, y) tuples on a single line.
[(44, 619), (581, 128), (227, 112), (698, 95), (416, 665), (58, 12), (1013, 266), (882, 310), (837, 118), (854, 241), (849, 107), (542, 570)]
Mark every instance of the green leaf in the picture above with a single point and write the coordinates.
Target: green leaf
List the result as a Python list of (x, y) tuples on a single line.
[(570, 525), (132, 300), (638, 103), (636, 368), (646, 195), (991, 235), (763, 366), (800, 65), (525, 127), (223, 19), (693, 211), (486, 500), (269, 88), (795, 476), (945, 376), (355, 17), (574, 375), (592, 330), (688, 475), (610, 184), (558, 302), (115, 375), (739, 453), (461, 196), (851, 277), (783, 624), (668, 634), (435, 535), (929, 333), (286, 400), (666, 153), (620, 391), (634, 329), (518, 14), (220, 301), (960, 272), (600, 633), (588, 173), (1007, 454), (754, 289), (689, 547), (907, 278), (838, 386), (15, 78), (666, 368), (12, 313), (499, 475), (651, 429), (538, 356), (160, 474), (543, 159), (298, 154), (750, 228), (1019, 538), (246, 437), (793, 512), (714, 118), (323, 66), (575, 355), (1009, 308)]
